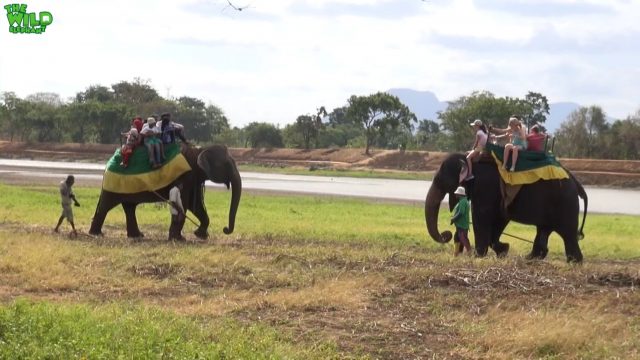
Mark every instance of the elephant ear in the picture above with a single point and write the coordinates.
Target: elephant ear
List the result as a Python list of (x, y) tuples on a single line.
[(214, 162)]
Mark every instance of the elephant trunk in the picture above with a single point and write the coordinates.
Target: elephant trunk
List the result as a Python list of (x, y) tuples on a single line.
[(236, 191), (431, 209)]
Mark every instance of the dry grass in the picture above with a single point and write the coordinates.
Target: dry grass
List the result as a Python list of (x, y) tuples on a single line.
[(403, 303)]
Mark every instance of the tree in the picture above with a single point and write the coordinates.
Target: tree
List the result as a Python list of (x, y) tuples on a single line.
[(378, 113), (263, 135), (307, 128), (582, 135), (623, 140), (481, 105), (217, 120), (97, 93), (427, 134), (134, 93), (110, 120), (234, 137), (9, 115), (191, 113), (538, 111)]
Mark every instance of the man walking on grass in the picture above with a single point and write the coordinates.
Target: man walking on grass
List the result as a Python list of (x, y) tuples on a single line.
[(177, 213), (66, 195)]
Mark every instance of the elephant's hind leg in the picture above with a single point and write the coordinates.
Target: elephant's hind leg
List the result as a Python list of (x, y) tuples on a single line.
[(501, 248), (571, 247), (540, 249), (132, 222)]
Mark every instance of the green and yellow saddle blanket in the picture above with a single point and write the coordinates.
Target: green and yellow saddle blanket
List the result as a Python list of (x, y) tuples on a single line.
[(139, 176), (530, 167)]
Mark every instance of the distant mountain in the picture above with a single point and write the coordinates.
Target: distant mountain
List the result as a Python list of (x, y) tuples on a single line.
[(425, 105), (558, 112)]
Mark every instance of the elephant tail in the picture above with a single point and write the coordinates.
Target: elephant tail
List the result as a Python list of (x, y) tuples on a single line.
[(583, 195)]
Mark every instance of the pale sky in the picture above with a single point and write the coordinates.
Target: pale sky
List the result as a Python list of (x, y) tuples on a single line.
[(278, 59)]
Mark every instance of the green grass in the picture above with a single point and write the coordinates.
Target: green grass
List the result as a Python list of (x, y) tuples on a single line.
[(315, 219), (379, 174), (42, 330)]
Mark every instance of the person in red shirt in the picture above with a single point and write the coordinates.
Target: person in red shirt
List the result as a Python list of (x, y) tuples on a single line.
[(535, 139)]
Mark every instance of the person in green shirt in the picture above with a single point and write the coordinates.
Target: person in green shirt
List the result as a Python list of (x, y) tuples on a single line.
[(460, 218)]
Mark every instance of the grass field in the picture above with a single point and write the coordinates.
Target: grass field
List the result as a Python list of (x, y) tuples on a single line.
[(304, 278)]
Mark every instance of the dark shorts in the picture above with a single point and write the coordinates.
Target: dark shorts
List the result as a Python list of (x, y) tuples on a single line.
[(461, 236)]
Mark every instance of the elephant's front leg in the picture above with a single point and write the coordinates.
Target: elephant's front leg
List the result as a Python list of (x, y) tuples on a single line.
[(481, 234), (197, 207), (132, 222), (103, 207)]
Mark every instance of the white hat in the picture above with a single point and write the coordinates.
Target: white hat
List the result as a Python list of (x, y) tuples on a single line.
[(151, 120), (477, 122), (460, 191)]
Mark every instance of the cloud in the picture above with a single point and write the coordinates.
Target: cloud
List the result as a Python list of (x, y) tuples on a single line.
[(278, 59), (545, 8), (546, 40), (374, 9)]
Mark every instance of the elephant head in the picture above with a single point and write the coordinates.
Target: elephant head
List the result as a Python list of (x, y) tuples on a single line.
[(219, 167), (445, 181)]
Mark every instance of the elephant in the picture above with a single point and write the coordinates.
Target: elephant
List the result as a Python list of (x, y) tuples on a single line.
[(550, 205), (213, 163)]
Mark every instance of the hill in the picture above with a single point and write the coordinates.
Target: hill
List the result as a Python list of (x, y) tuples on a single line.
[(425, 104)]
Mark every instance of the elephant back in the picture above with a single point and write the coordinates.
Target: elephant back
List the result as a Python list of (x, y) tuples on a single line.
[(531, 166), (139, 176)]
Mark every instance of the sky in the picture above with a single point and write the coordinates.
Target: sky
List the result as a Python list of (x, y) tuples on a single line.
[(278, 59)]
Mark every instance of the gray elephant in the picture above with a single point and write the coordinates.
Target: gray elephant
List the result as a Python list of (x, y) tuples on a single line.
[(550, 205), (213, 163)]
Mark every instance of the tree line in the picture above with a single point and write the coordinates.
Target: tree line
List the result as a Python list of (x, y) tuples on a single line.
[(99, 114)]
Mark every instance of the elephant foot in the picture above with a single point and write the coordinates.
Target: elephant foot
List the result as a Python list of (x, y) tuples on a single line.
[(537, 254), (574, 259), (501, 249), (135, 235), (95, 233), (201, 234), (481, 252)]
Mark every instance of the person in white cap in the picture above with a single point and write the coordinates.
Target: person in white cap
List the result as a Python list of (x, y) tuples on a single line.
[(478, 146), (460, 218), (151, 134)]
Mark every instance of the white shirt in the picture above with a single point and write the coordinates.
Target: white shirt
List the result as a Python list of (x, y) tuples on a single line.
[(65, 193), (483, 138), (150, 131), (174, 197)]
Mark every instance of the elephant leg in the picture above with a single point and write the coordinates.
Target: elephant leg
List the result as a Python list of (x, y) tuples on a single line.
[(102, 209), (200, 211), (482, 232), (132, 222), (540, 249), (569, 235), (501, 249)]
